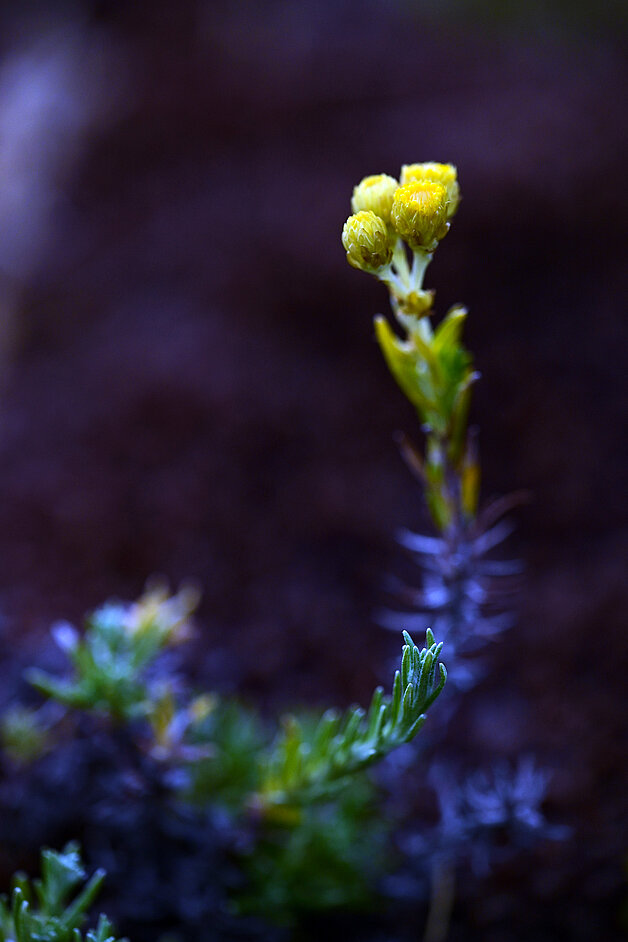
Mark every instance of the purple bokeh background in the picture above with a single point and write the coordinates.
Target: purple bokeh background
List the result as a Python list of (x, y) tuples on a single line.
[(191, 386)]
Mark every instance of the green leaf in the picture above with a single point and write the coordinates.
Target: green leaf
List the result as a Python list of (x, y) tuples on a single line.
[(401, 358), (60, 874), (449, 331), (40, 912), (301, 768)]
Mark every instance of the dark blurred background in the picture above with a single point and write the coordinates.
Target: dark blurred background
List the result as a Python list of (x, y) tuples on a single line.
[(190, 384)]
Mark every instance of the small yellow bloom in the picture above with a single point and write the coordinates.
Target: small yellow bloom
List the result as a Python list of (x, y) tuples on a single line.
[(417, 303), (375, 194), (419, 214), (365, 239), (445, 174)]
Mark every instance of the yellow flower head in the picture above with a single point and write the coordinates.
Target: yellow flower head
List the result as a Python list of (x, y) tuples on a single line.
[(445, 174), (419, 214), (365, 239), (375, 194)]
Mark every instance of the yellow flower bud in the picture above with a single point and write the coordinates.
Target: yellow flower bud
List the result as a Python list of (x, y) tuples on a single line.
[(445, 174), (365, 239), (419, 214), (375, 194), (416, 303)]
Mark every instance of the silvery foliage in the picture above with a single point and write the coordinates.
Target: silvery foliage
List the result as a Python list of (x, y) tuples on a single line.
[(461, 595), (486, 817)]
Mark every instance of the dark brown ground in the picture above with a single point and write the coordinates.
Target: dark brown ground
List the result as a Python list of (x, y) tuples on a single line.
[(193, 389)]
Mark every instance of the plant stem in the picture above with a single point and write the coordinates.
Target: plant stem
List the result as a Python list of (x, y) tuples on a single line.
[(420, 261), (441, 902)]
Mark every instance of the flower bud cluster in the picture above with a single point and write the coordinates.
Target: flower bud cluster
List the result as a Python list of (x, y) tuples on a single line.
[(415, 210)]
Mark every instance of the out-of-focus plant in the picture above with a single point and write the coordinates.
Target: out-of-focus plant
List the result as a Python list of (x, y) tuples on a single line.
[(24, 734), (46, 910), (488, 816), (111, 660), (332, 852), (294, 794)]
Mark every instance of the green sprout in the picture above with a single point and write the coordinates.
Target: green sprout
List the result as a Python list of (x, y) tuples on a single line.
[(46, 910), (301, 769)]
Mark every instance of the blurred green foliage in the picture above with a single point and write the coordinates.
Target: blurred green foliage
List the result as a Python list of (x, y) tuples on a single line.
[(317, 841), (327, 856), (23, 735), (111, 659)]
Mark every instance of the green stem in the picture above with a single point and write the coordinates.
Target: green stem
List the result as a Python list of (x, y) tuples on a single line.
[(420, 261), (393, 281), (400, 261)]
